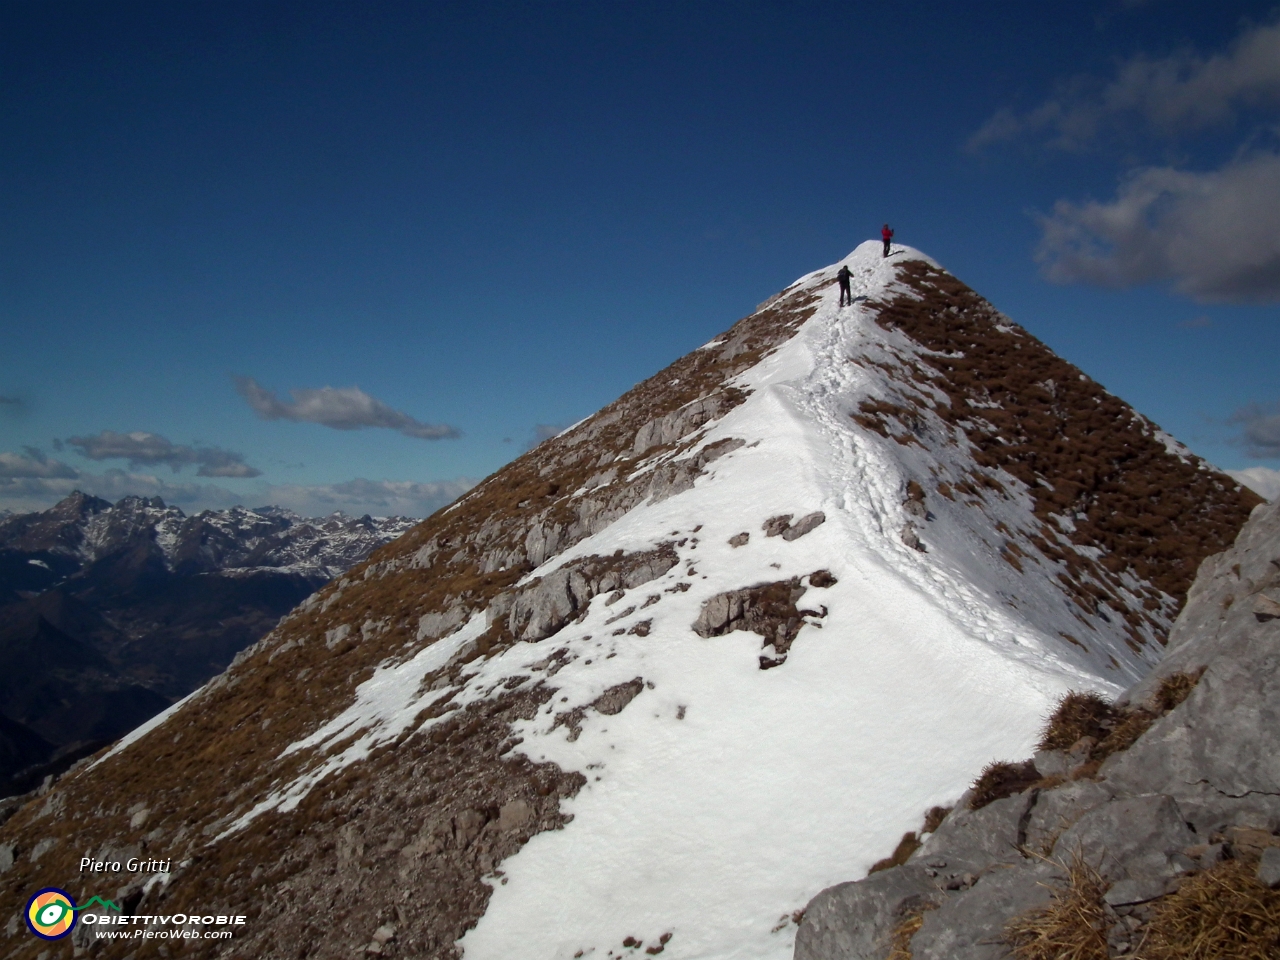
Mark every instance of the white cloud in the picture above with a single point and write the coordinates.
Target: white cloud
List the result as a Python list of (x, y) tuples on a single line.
[(1166, 96), (1260, 429), (33, 465), (349, 408), (1216, 235), (144, 449), (1263, 481)]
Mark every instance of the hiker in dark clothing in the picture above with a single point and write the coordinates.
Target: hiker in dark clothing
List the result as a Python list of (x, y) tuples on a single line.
[(843, 276), (887, 235)]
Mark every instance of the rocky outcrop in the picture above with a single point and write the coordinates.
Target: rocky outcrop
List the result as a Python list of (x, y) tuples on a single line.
[(1181, 774), (781, 526), (767, 609), (544, 606), (678, 424)]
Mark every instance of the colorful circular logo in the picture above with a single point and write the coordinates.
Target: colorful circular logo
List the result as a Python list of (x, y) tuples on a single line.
[(51, 913)]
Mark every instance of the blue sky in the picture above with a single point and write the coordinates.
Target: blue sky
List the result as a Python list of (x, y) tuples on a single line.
[(354, 255)]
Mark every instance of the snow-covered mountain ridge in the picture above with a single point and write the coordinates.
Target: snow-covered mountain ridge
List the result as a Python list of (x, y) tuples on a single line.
[(84, 528), (728, 635)]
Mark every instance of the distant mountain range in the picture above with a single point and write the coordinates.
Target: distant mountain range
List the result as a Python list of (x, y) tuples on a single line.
[(110, 612)]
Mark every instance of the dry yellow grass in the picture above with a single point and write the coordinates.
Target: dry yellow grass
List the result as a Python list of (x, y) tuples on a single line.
[(900, 939), (900, 945), (1175, 688), (1073, 926), (1078, 714), (1000, 779), (1223, 913), (933, 818), (908, 845), (1154, 514)]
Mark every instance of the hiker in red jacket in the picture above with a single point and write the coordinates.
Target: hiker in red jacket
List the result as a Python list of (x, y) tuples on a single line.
[(887, 235)]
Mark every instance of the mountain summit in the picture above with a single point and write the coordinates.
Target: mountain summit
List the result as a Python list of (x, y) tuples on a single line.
[(656, 683)]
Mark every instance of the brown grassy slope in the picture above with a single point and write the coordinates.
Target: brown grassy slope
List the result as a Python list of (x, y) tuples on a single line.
[(1083, 453), (221, 756)]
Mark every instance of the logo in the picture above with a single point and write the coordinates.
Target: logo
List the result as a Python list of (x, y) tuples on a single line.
[(51, 913)]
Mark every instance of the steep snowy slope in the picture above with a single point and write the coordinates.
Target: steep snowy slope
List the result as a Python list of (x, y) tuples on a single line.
[(655, 684)]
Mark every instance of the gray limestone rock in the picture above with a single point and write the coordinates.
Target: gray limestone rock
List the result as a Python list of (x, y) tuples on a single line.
[(615, 699), (1269, 868), (717, 613), (1056, 810), (1227, 732), (977, 839), (1220, 601), (679, 423), (1140, 837), (513, 815), (1218, 753), (1265, 608), (1127, 892), (775, 526), (970, 925), (648, 570), (748, 608), (542, 542), (544, 607), (435, 625), (1051, 763), (853, 921), (1209, 810), (805, 524)]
